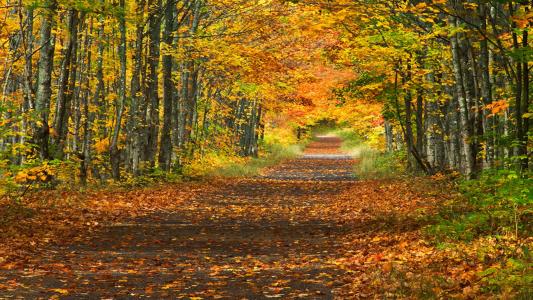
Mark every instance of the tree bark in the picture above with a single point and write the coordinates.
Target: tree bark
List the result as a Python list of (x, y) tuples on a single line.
[(486, 89), (420, 123), (462, 102), (389, 136), (525, 103), (165, 150), (88, 124), (135, 128), (114, 152), (62, 103), (154, 28), (44, 79)]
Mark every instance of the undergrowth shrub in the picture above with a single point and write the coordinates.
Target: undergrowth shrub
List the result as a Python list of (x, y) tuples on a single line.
[(376, 164), (371, 162), (272, 155), (498, 203), (495, 217), (16, 180), (224, 163), (151, 176)]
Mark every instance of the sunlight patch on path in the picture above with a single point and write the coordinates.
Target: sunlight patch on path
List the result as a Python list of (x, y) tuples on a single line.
[(327, 156), (322, 160)]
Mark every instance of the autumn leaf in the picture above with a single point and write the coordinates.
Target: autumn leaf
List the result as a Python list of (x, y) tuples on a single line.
[(61, 291)]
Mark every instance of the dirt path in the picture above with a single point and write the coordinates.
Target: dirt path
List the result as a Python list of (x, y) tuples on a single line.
[(256, 238), (281, 235)]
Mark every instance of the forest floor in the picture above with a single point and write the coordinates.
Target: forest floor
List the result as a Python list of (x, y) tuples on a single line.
[(307, 228)]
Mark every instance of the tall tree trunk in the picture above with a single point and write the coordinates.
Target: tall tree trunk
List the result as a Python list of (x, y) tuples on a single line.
[(420, 130), (28, 54), (469, 99), (486, 89), (135, 128), (165, 150), (62, 105), (81, 92), (154, 29), (525, 103), (85, 154), (44, 79), (389, 136), (519, 151), (182, 107), (114, 152), (462, 101)]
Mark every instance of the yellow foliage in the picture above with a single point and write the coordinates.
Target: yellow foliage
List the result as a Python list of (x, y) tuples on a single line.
[(40, 173), (101, 146)]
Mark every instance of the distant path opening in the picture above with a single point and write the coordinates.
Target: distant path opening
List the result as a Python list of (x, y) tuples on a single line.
[(322, 160)]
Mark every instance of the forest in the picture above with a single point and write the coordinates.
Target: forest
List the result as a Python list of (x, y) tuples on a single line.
[(112, 88), (113, 109)]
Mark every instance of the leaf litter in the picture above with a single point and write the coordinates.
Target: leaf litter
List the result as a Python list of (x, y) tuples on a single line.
[(298, 231)]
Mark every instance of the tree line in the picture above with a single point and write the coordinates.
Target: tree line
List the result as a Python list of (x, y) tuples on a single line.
[(454, 77), (122, 87), (129, 86)]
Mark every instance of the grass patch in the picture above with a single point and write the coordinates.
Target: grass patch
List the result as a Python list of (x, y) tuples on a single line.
[(493, 220), (252, 166), (378, 165), (498, 203), (371, 163), (220, 164)]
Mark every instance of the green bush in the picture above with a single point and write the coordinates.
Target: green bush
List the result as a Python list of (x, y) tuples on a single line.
[(495, 213), (511, 274), (498, 203)]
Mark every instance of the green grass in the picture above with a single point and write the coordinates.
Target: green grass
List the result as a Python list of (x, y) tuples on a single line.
[(371, 163), (497, 203), (495, 214), (272, 156), (223, 164)]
